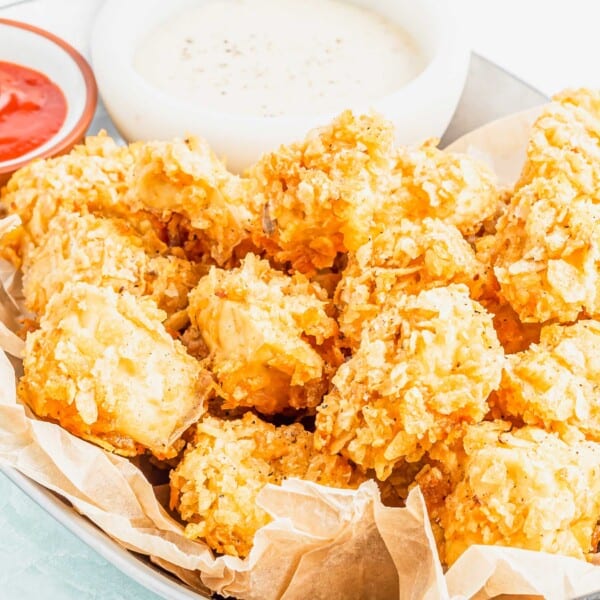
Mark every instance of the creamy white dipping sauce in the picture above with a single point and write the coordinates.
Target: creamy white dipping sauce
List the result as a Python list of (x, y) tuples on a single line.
[(278, 57)]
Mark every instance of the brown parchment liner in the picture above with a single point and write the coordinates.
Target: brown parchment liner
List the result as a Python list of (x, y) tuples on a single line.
[(322, 543)]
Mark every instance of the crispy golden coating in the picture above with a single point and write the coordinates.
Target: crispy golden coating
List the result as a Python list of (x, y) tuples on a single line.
[(555, 383), (453, 187), (215, 486), (318, 197), (565, 140), (514, 335), (268, 334), (548, 241), (169, 280), (425, 364), (406, 258), (524, 488), (105, 252), (185, 178), (548, 252), (103, 366), (93, 177)]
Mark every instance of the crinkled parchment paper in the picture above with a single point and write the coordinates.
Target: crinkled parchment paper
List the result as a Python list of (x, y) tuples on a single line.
[(322, 542)]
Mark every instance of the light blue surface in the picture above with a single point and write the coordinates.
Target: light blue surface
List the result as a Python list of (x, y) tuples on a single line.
[(41, 560)]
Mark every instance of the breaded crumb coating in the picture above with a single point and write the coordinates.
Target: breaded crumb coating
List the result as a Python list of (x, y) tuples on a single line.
[(406, 258), (214, 487), (318, 197), (555, 383), (443, 185), (106, 253), (548, 252), (103, 366), (93, 177), (524, 488), (514, 335), (565, 140), (424, 365), (269, 335), (185, 178)]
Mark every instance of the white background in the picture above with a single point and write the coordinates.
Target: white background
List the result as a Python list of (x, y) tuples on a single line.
[(550, 44)]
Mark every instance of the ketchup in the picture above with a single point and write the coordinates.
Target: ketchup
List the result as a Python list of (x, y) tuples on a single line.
[(32, 110)]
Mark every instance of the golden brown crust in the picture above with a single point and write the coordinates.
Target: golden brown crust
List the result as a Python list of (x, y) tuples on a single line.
[(424, 365), (548, 244), (318, 198), (103, 366), (106, 252), (93, 177), (565, 141), (404, 259), (267, 334), (442, 185), (524, 488), (554, 384), (214, 487), (547, 251), (185, 178)]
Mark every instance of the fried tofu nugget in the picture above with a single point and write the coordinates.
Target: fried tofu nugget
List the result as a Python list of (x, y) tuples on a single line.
[(103, 366), (318, 198), (269, 336), (424, 365), (404, 259), (548, 240), (548, 256), (565, 140), (185, 178), (524, 488), (93, 177), (214, 487), (555, 383), (105, 252), (443, 185)]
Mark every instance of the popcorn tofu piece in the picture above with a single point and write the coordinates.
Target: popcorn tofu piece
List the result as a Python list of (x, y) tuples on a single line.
[(106, 253), (554, 384), (434, 183), (424, 365), (185, 178), (406, 258), (565, 140), (548, 252), (215, 486), (549, 239), (318, 198), (270, 336), (524, 488), (93, 177), (103, 366)]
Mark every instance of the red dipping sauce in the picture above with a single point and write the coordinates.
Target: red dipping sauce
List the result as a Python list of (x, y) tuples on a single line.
[(32, 110)]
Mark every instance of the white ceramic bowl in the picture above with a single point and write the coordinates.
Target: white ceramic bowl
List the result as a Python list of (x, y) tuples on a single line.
[(42, 51), (421, 109)]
